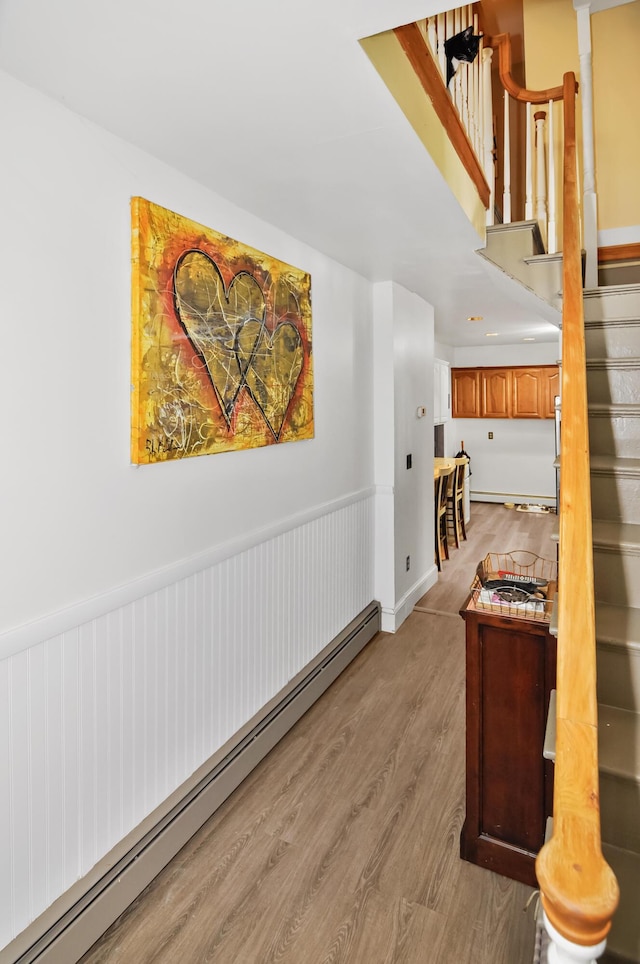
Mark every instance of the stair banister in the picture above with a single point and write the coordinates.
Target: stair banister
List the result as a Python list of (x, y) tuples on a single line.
[(502, 43), (579, 891)]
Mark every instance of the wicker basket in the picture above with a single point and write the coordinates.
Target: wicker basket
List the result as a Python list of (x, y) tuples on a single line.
[(505, 599)]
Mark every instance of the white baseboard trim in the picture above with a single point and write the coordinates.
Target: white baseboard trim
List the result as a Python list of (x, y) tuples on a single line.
[(77, 919), (392, 619), (518, 499)]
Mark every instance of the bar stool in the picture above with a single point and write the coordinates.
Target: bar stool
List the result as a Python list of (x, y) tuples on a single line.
[(455, 501), (440, 502)]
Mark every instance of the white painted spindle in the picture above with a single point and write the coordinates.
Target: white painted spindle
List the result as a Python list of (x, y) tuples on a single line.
[(475, 97), (541, 175), (487, 130), (457, 80), (528, 175), (552, 235), (506, 191), (442, 57), (432, 36)]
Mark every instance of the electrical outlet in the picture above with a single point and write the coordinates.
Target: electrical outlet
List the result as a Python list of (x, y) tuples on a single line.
[(489, 435), (409, 461), (408, 563)]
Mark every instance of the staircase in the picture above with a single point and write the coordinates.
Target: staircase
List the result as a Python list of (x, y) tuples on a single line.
[(612, 333)]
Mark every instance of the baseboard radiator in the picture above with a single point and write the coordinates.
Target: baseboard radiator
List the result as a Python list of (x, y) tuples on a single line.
[(82, 924)]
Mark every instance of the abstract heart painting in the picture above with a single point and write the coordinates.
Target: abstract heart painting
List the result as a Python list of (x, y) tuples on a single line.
[(221, 342)]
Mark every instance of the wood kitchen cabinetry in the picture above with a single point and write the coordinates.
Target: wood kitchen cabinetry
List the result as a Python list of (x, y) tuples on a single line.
[(495, 388), (502, 392), (510, 671), (465, 391)]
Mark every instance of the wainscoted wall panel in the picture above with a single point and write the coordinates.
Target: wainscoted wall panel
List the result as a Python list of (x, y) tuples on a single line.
[(108, 718)]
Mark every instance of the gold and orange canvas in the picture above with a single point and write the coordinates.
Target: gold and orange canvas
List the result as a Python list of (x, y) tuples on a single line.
[(221, 342)]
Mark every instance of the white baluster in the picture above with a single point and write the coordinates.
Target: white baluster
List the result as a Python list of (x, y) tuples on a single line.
[(528, 173), (487, 130), (451, 24), (457, 80), (562, 951), (552, 240), (475, 97), (432, 36), (506, 161), (442, 57), (450, 28), (541, 175), (464, 96)]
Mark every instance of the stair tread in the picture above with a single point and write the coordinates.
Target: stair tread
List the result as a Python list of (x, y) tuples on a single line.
[(613, 361), (624, 409), (619, 742), (615, 464), (612, 290), (611, 534), (618, 624), (625, 934)]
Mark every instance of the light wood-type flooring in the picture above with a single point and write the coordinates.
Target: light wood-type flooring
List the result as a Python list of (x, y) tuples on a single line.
[(342, 846)]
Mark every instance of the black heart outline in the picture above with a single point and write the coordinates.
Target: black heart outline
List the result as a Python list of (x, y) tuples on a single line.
[(228, 407), (265, 332)]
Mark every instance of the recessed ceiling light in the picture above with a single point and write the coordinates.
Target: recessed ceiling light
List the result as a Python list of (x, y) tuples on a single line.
[(528, 339), (475, 318), (491, 334)]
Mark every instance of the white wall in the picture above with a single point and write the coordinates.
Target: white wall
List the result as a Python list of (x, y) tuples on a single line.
[(517, 464), (78, 519), (413, 382), (403, 378), (147, 612)]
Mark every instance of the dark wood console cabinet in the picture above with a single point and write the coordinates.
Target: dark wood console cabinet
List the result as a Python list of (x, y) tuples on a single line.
[(510, 672)]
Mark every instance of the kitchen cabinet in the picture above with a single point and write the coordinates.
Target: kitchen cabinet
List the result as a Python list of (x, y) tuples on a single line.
[(551, 389), (533, 391), (510, 672), (504, 392), (441, 391), (495, 389), (465, 389)]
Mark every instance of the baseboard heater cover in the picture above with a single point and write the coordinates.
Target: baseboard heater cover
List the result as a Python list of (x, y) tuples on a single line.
[(71, 936)]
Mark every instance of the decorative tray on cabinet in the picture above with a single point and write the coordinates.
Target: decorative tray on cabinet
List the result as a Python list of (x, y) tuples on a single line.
[(517, 584)]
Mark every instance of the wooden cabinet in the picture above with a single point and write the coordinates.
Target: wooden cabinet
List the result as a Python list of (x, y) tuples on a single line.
[(501, 392), (495, 389), (551, 389), (510, 671), (526, 393), (465, 389), (533, 391)]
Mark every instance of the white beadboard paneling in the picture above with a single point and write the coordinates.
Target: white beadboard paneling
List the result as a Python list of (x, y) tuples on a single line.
[(107, 718)]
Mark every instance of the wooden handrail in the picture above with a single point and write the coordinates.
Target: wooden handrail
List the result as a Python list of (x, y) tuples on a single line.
[(419, 55), (502, 43), (579, 891)]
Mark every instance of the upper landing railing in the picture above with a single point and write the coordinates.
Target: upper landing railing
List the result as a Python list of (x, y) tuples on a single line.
[(579, 891), (507, 148)]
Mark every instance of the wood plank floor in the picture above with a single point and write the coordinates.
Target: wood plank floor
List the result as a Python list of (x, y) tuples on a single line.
[(342, 846)]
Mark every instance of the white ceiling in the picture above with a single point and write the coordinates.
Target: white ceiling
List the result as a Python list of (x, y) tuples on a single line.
[(277, 108)]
